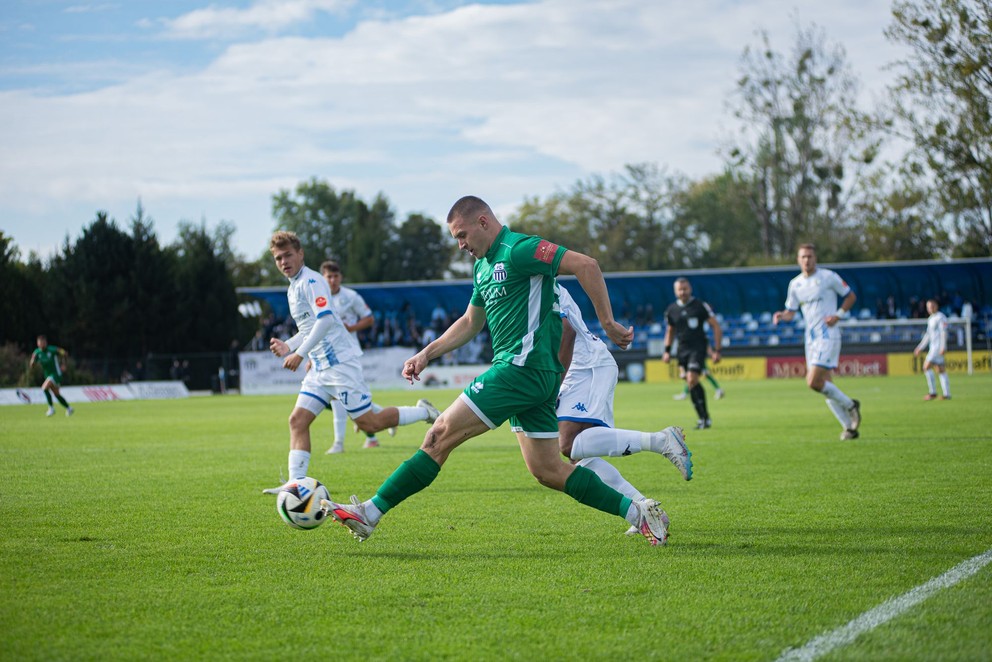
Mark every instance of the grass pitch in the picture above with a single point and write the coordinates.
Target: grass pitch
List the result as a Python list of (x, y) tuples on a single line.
[(136, 530)]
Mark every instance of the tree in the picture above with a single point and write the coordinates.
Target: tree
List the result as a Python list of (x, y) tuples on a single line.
[(624, 221), (944, 107), (716, 214), (208, 319), (21, 318), (421, 251), (805, 144)]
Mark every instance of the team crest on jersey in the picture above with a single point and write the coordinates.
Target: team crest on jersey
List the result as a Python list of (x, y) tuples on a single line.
[(499, 272), (321, 302)]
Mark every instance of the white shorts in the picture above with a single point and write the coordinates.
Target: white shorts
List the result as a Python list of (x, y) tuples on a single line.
[(823, 352), (935, 357), (586, 396), (344, 382)]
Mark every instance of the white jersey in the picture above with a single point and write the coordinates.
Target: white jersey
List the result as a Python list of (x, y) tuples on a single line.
[(817, 295), (350, 307), (589, 351), (936, 334), (310, 299)]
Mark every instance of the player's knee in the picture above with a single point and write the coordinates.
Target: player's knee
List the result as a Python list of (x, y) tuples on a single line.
[(298, 420), (367, 423), (548, 477)]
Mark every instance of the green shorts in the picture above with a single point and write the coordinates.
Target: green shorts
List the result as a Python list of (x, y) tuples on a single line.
[(523, 396), (56, 379)]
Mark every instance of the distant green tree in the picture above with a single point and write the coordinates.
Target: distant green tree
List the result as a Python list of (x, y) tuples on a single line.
[(944, 93), (22, 317), (421, 250), (207, 318), (804, 146), (716, 214)]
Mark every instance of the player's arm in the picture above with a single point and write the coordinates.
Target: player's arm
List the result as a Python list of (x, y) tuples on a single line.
[(362, 324), (845, 307), (717, 338), (590, 277), (567, 346), (669, 339), (783, 316), (63, 359), (460, 332)]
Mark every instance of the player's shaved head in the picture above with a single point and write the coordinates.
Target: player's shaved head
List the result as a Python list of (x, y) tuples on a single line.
[(470, 207)]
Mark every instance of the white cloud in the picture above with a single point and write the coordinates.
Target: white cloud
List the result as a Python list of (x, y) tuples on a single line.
[(264, 15), (503, 101)]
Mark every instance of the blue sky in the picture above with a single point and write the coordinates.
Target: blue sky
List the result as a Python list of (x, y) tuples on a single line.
[(204, 110)]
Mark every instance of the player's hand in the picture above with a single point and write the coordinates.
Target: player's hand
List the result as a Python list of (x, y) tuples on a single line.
[(666, 357), (413, 366), (830, 320), (916, 352), (715, 355), (278, 347), (621, 336), (292, 362), (777, 317)]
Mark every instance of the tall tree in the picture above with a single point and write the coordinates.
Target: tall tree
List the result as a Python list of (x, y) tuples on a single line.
[(944, 93), (209, 320), (421, 250), (716, 217), (804, 143)]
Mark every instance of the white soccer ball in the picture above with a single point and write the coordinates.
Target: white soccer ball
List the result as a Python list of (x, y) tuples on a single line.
[(298, 503)]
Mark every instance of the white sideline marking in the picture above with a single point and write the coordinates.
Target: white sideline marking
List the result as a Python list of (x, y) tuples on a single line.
[(885, 612)]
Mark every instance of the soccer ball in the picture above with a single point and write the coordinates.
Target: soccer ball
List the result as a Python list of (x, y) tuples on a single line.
[(298, 503)]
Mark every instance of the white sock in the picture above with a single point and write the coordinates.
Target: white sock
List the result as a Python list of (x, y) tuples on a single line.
[(299, 462), (945, 384), (931, 384), (372, 512), (611, 476), (840, 413), (633, 515), (831, 392), (412, 414), (340, 420), (608, 442)]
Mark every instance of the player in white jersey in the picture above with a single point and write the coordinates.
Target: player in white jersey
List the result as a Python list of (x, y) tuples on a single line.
[(585, 409), (356, 316), (935, 337), (335, 371), (815, 291)]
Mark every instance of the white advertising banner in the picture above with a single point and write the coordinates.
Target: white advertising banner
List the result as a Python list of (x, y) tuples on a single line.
[(262, 373), (98, 393)]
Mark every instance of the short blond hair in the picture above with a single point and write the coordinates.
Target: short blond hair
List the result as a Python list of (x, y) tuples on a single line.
[(284, 238)]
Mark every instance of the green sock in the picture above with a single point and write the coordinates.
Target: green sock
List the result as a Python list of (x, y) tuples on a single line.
[(48, 396), (409, 478), (685, 389), (712, 381), (62, 401), (588, 489)]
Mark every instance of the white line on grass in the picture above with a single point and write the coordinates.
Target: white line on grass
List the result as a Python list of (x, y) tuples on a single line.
[(885, 612)]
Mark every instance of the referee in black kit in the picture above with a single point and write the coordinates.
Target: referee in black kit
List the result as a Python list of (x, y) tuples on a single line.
[(687, 317)]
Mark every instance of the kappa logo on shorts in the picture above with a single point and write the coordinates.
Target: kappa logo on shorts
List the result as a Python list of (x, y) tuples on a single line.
[(580, 407)]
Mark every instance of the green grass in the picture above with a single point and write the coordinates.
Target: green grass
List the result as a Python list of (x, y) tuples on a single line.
[(136, 530)]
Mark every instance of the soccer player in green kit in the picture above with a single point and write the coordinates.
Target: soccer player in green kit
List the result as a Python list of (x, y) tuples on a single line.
[(514, 280), (52, 361)]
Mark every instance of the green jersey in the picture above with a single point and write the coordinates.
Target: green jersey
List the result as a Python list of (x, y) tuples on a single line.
[(49, 360), (515, 284)]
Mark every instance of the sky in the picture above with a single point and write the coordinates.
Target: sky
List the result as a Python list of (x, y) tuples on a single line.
[(202, 110)]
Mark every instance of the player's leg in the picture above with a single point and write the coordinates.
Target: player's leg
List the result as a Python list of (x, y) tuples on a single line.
[(931, 381), (585, 486), (46, 388), (822, 357), (456, 425), (312, 399), (693, 368), (340, 426), (945, 380), (718, 392)]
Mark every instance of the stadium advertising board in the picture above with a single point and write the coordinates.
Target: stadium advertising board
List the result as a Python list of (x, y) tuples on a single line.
[(956, 362), (98, 393), (262, 372), (850, 365)]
